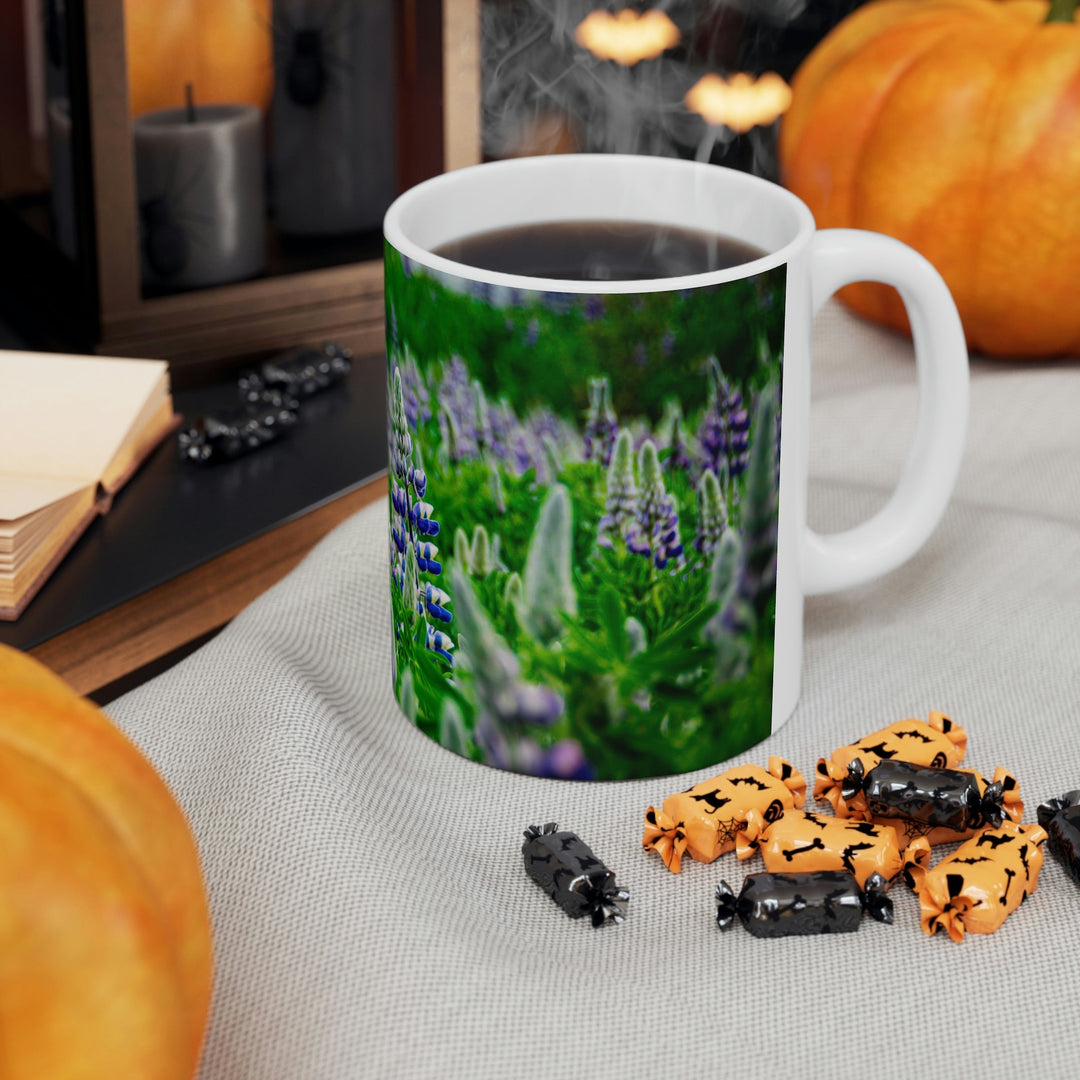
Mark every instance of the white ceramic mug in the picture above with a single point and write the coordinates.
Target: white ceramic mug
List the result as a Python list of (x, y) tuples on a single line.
[(540, 657)]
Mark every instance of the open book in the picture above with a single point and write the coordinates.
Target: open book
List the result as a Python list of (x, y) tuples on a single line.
[(72, 431)]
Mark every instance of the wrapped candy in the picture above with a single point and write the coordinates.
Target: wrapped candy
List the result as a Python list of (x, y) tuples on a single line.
[(937, 742), (976, 888), (815, 902), (800, 841), (704, 821), (563, 865), (942, 805), (1061, 820)]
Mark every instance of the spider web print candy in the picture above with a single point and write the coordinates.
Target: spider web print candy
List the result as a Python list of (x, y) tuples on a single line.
[(1061, 820), (798, 842), (975, 889), (704, 820), (937, 742), (816, 902), (942, 805), (563, 865)]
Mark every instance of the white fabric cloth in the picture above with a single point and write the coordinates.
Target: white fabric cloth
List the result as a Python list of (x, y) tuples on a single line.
[(371, 912)]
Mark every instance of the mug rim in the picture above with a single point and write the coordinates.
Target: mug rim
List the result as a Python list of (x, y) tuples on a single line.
[(394, 232)]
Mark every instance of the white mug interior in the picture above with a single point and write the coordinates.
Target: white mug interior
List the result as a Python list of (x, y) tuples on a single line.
[(598, 187)]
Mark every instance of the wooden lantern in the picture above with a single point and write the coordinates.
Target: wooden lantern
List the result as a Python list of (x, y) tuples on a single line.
[(129, 55)]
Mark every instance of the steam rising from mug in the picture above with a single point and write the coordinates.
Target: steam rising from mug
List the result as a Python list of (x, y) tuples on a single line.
[(545, 93)]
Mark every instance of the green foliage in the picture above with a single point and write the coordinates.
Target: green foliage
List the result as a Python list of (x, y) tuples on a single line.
[(736, 322), (653, 671)]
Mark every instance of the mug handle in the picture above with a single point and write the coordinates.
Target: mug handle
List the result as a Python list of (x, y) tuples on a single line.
[(840, 257)]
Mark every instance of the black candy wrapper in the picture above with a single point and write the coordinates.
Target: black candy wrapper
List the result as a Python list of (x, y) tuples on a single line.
[(563, 865), (937, 798), (1061, 820), (815, 902)]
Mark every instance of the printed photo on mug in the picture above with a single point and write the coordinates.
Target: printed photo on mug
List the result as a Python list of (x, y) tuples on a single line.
[(584, 493)]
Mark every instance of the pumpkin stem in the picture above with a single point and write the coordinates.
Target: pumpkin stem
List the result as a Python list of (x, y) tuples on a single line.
[(1061, 11)]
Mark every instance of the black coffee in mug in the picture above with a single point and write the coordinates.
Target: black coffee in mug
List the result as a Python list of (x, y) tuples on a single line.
[(599, 250)]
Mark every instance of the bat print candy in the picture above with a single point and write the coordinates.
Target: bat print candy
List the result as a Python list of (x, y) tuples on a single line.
[(809, 902), (986, 879), (800, 841), (1061, 820), (563, 865), (704, 820), (942, 805), (936, 742)]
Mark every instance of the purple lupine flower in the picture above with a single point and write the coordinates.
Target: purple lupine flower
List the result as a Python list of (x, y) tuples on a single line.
[(592, 308), (508, 706), (532, 333), (481, 290), (667, 343), (564, 760), (425, 524), (601, 426), (427, 557), (559, 302), (621, 502), (656, 531), (411, 520), (724, 433), (440, 643), (417, 398), (435, 601), (639, 355), (457, 413)]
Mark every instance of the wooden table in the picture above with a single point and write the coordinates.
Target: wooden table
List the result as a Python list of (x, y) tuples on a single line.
[(118, 649)]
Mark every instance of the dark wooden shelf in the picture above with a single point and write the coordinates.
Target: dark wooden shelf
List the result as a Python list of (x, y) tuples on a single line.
[(184, 548)]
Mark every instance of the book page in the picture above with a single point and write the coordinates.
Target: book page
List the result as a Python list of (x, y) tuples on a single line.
[(68, 416), (23, 495)]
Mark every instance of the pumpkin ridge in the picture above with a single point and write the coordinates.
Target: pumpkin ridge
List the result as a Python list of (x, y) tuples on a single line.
[(874, 299), (146, 901), (196, 1009), (991, 130)]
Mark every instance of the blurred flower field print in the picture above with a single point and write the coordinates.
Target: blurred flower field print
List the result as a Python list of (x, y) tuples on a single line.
[(583, 520)]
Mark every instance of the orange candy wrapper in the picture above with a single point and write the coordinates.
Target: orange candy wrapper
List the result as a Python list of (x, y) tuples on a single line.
[(908, 830), (704, 820), (937, 742), (798, 842), (975, 889)]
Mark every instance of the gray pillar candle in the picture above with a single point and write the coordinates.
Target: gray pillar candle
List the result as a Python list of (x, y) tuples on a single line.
[(202, 204), (333, 115)]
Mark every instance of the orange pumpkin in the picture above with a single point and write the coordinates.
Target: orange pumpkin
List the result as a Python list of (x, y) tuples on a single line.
[(106, 965), (224, 48), (953, 125)]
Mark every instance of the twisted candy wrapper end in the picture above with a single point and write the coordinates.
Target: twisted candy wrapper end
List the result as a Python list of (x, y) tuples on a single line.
[(827, 782), (953, 732), (916, 862), (854, 780), (725, 905), (748, 839), (944, 912), (1046, 811), (533, 831), (664, 836), (604, 900), (1012, 804), (876, 902), (793, 780)]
